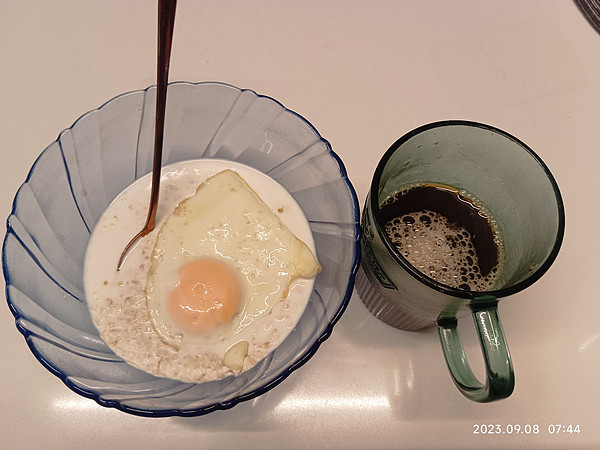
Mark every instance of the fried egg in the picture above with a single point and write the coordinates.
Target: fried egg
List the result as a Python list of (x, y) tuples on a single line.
[(146, 312), (221, 260)]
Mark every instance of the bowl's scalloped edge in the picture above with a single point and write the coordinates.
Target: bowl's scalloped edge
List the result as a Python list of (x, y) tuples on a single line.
[(236, 400)]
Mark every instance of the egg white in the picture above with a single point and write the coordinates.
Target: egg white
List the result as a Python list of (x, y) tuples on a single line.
[(225, 220), (117, 299)]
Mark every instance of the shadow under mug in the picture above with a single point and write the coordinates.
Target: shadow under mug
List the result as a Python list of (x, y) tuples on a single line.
[(518, 191)]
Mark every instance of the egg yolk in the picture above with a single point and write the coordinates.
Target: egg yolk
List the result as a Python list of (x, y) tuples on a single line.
[(208, 295)]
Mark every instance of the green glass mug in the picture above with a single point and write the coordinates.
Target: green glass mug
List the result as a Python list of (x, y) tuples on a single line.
[(521, 195)]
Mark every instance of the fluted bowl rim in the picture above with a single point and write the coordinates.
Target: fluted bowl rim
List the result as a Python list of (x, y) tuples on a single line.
[(269, 384)]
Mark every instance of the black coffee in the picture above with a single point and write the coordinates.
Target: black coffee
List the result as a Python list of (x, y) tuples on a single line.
[(445, 235)]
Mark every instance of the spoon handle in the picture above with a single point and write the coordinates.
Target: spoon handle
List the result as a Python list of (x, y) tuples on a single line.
[(166, 22)]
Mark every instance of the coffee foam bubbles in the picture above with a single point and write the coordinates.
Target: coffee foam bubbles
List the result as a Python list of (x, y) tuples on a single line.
[(439, 249)]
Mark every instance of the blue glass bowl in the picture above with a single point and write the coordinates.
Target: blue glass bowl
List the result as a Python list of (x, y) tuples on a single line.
[(105, 150)]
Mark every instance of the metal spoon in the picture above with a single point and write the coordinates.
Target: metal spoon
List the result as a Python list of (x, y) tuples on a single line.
[(166, 20)]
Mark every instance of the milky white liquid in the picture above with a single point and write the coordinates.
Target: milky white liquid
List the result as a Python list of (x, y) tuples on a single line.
[(117, 300)]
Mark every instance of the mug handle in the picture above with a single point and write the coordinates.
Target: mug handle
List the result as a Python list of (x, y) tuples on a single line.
[(500, 378)]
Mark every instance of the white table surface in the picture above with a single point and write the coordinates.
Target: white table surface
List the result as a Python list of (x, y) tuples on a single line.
[(364, 73)]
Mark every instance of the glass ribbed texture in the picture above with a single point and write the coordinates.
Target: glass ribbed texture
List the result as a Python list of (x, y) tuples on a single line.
[(105, 150)]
